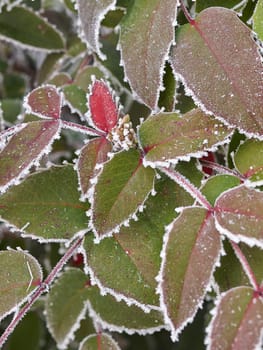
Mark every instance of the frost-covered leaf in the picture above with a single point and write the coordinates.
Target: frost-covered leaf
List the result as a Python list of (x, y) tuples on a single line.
[(215, 185), (167, 97), (239, 215), (102, 107), (190, 253), (122, 187), (147, 32), (46, 205), (238, 321), (249, 160), (94, 153), (103, 341), (30, 30), (119, 317), (168, 137), (66, 305), (134, 254), (44, 101), (225, 76), (76, 98), (91, 13), (20, 274), (24, 149), (258, 19), (84, 76)]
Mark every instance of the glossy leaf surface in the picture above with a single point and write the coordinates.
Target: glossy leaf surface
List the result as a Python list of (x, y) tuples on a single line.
[(46, 205), (25, 149), (134, 254), (20, 274), (65, 305), (238, 214), (165, 136), (91, 155), (145, 39), (102, 107), (28, 29), (225, 76), (103, 340), (242, 311), (122, 187), (191, 250), (45, 102)]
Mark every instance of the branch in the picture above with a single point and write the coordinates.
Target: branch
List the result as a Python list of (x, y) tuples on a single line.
[(186, 13), (42, 288)]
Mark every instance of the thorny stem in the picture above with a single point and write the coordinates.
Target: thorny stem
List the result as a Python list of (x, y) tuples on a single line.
[(188, 186), (82, 128), (246, 267), (42, 288), (222, 169), (186, 13)]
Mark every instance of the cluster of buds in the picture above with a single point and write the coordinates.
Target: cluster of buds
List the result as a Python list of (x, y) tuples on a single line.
[(123, 135)]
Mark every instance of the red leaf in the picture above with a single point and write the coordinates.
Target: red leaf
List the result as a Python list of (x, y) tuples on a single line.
[(103, 109), (45, 101)]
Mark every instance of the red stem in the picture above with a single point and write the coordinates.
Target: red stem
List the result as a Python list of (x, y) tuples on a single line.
[(246, 267), (188, 186), (82, 128), (186, 13), (42, 288), (222, 169)]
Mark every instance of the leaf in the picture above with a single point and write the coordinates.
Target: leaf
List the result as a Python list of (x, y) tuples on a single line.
[(83, 77), (119, 317), (248, 161), (20, 274), (165, 137), (145, 39), (46, 205), (103, 109), (202, 4), (258, 19), (44, 101), (25, 149), (134, 254), (217, 184), (190, 253), (122, 187), (66, 305), (242, 311), (27, 28), (91, 13), (103, 341), (76, 99), (224, 76), (238, 214), (93, 154)]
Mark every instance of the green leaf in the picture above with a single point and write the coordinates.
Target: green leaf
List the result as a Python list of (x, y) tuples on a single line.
[(248, 161), (190, 253), (91, 13), (215, 185), (76, 99), (66, 305), (167, 97), (83, 77), (20, 274), (28, 29), (203, 4), (258, 19), (119, 317), (224, 76), (11, 109), (25, 149), (46, 205), (94, 153), (241, 309), (122, 187), (103, 341), (145, 38), (238, 214), (168, 137), (134, 254)]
